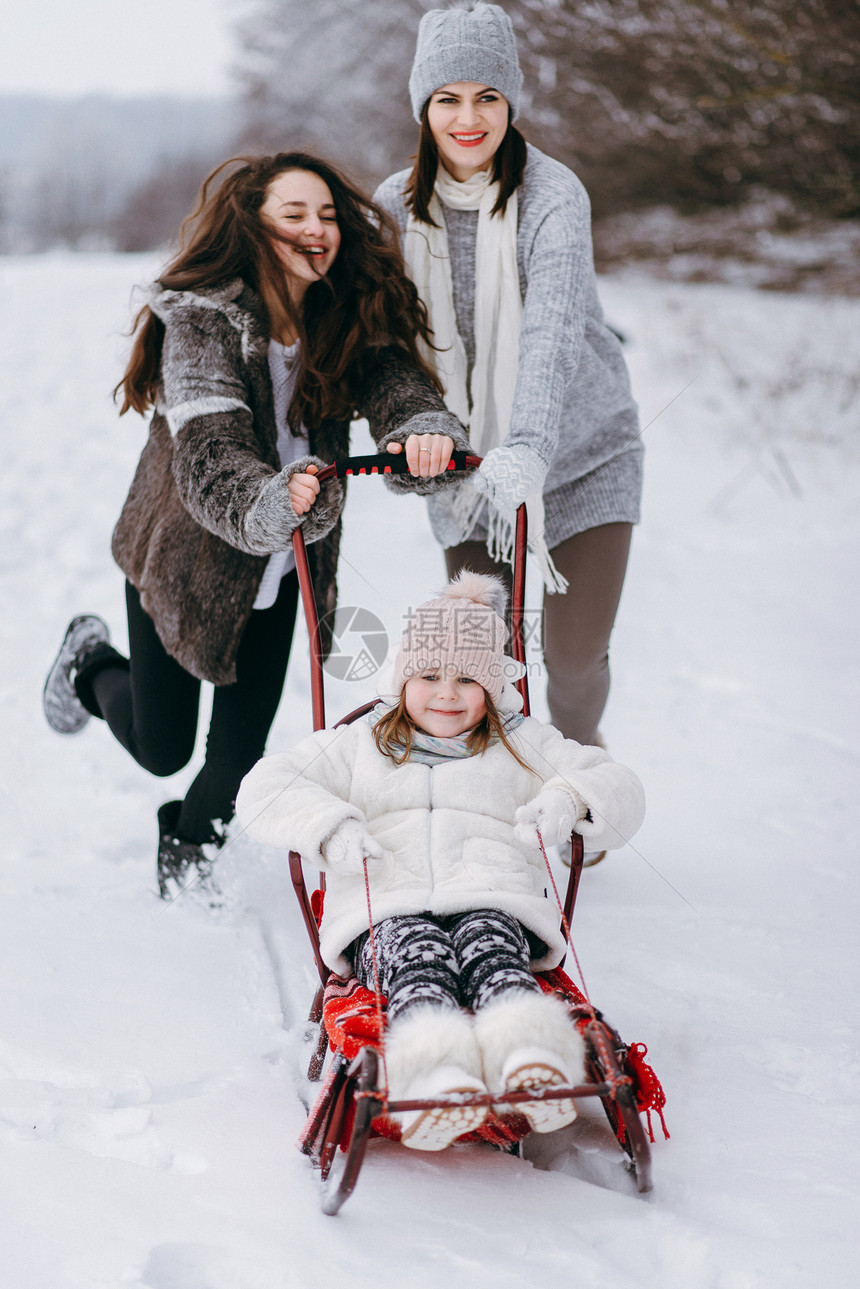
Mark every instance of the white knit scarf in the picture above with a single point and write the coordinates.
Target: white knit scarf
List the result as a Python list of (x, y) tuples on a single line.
[(498, 317)]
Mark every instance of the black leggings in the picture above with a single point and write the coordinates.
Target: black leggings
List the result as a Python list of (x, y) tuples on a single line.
[(151, 705)]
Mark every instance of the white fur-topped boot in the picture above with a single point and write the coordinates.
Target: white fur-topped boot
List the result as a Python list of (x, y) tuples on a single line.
[(431, 1052), (528, 1040)]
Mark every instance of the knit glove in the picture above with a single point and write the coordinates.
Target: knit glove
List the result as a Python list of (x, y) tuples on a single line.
[(506, 476), (555, 812), (349, 845), (269, 523)]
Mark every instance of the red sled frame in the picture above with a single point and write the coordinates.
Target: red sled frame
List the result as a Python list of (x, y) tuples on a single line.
[(351, 1106)]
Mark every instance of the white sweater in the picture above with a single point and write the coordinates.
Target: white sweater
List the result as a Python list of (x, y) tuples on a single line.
[(447, 831)]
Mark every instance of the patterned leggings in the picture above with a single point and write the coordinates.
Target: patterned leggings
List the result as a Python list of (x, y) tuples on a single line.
[(464, 959)]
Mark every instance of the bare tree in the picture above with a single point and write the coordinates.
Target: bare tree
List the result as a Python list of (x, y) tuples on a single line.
[(100, 171), (696, 102), (331, 76), (70, 206), (154, 210), (683, 102)]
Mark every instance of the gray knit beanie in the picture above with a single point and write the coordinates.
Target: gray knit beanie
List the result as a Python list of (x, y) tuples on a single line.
[(475, 44)]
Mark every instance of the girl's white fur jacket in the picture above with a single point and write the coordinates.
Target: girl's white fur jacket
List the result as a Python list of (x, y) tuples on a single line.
[(447, 832)]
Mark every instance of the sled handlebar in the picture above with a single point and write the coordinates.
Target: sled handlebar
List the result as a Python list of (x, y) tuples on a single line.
[(396, 463), (388, 463)]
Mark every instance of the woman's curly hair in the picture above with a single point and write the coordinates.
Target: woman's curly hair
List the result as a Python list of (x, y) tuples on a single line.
[(365, 302)]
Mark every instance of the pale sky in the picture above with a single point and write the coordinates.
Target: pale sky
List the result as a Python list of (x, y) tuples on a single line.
[(117, 46)]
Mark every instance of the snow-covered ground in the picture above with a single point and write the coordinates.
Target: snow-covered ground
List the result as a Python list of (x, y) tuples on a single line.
[(151, 1054)]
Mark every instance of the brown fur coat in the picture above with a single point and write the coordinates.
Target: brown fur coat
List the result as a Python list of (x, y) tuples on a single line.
[(209, 502)]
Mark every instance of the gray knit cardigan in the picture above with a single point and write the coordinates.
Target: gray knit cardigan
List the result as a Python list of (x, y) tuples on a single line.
[(573, 405), (209, 501)]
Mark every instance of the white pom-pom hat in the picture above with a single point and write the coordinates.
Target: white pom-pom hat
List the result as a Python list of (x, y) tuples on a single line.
[(461, 632)]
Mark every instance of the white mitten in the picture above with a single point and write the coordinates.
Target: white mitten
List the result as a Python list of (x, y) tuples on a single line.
[(349, 845), (555, 812), (506, 476)]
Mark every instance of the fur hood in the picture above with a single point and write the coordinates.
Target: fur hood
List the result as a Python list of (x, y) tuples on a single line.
[(209, 501)]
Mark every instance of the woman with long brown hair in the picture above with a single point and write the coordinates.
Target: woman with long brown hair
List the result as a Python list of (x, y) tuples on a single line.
[(497, 238), (285, 314)]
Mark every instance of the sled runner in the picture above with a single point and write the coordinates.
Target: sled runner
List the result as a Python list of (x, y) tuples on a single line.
[(353, 1104)]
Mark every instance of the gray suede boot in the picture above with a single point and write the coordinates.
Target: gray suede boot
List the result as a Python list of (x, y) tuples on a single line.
[(64, 711)]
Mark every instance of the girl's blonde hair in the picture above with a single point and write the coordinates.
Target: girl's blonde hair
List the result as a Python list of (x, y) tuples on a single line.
[(393, 733)]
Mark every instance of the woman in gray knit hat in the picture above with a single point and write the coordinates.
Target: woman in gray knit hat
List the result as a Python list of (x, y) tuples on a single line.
[(497, 238)]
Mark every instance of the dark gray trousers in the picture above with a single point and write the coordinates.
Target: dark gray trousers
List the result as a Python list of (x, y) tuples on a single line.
[(577, 625)]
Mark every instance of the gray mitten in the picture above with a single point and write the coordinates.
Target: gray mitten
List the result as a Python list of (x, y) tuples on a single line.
[(507, 476), (270, 522)]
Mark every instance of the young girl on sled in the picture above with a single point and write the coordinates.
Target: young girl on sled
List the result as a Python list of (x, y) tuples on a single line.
[(440, 794)]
